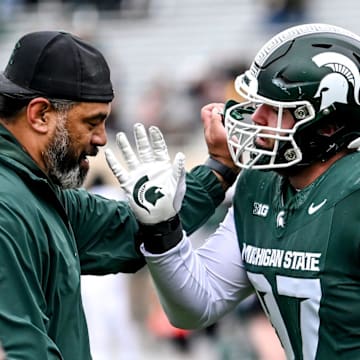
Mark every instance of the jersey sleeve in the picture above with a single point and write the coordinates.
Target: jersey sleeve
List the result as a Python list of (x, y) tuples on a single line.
[(197, 287)]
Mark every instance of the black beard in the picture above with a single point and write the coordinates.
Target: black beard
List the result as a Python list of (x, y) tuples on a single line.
[(67, 171), (62, 164)]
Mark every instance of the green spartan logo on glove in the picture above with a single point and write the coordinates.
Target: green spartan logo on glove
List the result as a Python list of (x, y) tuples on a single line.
[(150, 195)]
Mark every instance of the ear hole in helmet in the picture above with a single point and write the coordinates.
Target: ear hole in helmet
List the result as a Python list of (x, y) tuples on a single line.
[(330, 129), (322, 139)]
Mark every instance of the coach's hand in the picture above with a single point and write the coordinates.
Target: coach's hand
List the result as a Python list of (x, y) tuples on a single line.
[(154, 186)]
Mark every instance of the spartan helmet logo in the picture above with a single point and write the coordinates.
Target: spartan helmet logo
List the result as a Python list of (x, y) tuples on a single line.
[(144, 194), (334, 87)]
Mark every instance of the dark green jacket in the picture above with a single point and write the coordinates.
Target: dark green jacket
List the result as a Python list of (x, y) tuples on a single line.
[(49, 236)]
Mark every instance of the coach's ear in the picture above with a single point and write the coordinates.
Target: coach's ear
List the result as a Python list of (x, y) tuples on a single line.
[(39, 114)]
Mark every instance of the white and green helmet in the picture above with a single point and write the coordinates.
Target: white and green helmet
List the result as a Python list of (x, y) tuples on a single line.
[(313, 70)]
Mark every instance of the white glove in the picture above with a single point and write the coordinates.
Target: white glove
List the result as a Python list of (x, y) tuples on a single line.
[(155, 187)]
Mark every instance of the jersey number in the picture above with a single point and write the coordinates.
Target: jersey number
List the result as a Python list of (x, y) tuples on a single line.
[(309, 291)]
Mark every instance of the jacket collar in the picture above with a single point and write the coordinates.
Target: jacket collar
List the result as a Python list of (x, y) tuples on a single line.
[(15, 156)]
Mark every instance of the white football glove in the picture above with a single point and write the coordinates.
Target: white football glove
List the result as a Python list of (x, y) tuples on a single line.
[(155, 187)]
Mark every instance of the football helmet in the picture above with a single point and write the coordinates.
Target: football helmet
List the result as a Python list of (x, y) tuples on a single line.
[(312, 70)]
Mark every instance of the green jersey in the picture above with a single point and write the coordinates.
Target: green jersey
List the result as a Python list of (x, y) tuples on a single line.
[(301, 253)]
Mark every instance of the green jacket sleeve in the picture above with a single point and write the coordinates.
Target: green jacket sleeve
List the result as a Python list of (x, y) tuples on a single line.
[(204, 194), (23, 307), (105, 230), (105, 233)]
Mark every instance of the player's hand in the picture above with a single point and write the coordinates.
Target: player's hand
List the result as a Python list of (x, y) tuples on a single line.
[(154, 186), (215, 134)]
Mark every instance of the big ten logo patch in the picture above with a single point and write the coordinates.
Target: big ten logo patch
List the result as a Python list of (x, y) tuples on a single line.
[(260, 209)]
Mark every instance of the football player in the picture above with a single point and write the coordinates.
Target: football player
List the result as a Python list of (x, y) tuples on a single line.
[(292, 235)]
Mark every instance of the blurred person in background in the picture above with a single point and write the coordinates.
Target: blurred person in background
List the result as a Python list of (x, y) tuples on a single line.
[(291, 234), (53, 111), (286, 12), (170, 104), (101, 5), (112, 330)]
